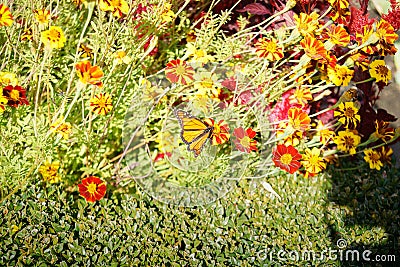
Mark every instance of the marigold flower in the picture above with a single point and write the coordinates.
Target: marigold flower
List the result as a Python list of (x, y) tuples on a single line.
[(49, 171), (269, 49), (347, 141), (167, 14), (8, 78), (380, 71), (289, 139), (301, 96), (312, 161), (298, 119), (177, 71), (92, 188), (313, 48), (62, 128), (385, 32), (339, 4), (89, 74), (206, 84), (27, 35), (373, 158), (366, 36), (121, 57), (16, 95), (325, 134), (244, 139), (347, 114), (306, 24), (338, 35), (287, 158), (85, 51), (42, 16), (101, 104), (53, 38), (220, 133), (117, 7), (3, 101), (198, 55), (385, 153), (6, 18), (383, 131), (340, 75)]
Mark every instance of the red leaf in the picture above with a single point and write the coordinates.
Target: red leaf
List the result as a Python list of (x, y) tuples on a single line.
[(255, 9)]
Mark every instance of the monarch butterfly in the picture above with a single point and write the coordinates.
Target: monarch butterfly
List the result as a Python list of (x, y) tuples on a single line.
[(194, 132)]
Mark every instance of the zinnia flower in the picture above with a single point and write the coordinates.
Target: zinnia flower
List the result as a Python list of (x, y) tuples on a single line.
[(16, 96), (244, 139), (287, 158), (89, 74), (92, 188), (101, 104), (53, 38), (6, 18)]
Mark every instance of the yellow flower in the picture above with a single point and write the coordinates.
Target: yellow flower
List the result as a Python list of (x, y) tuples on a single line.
[(53, 38), (42, 16), (62, 128), (121, 57), (347, 141), (3, 101), (198, 55), (167, 14), (101, 104), (386, 155), (347, 114), (312, 161), (325, 134), (340, 75), (380, 71), (8, 78), (49, 171), (306, 24), (206, 84), (373, 158), (6, 18), (117, 7), (301, 96), (269, 49)]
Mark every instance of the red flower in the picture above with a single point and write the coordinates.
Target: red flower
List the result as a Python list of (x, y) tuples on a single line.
[(177, 71), (92, 188), (244, 140), (16, 95), (287, 158)]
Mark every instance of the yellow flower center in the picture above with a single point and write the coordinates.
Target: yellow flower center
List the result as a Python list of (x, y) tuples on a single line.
[(92, 188), (102, 102), (286, 159), (245, 141), (180, 70), (270, 46), (14, 94), (314, 160), (54, 34)]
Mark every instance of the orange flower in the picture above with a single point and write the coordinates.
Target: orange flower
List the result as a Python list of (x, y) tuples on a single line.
[(301, 96), (338, 35), (363, 37), (244, 139), (6, 18), (220, 133), (89, 74), (313, 48), (177, 71), (387, 37), (306, 24), (101, 104), (287, 158), (269, 49), (92, 188), (340, 75), (298, 119)]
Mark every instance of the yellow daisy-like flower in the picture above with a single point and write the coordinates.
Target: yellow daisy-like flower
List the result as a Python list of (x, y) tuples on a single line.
[(121, 57), (269, 49), (62, 128), (312, 160), (373, 157), (54, 37), (340, 75), (347, 141), (380, 71), (42, 16), (306, 24), (6, 18), (206, 84), (101, 104), (347, 114), (198, 55), (119, 8), (49, 171), (8, 78)]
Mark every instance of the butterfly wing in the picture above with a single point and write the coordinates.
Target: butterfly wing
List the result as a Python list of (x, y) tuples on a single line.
[(194, 132)]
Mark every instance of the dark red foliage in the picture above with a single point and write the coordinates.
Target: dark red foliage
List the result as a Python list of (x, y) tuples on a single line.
[(358, 20), (393, 17), (255, 9)]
